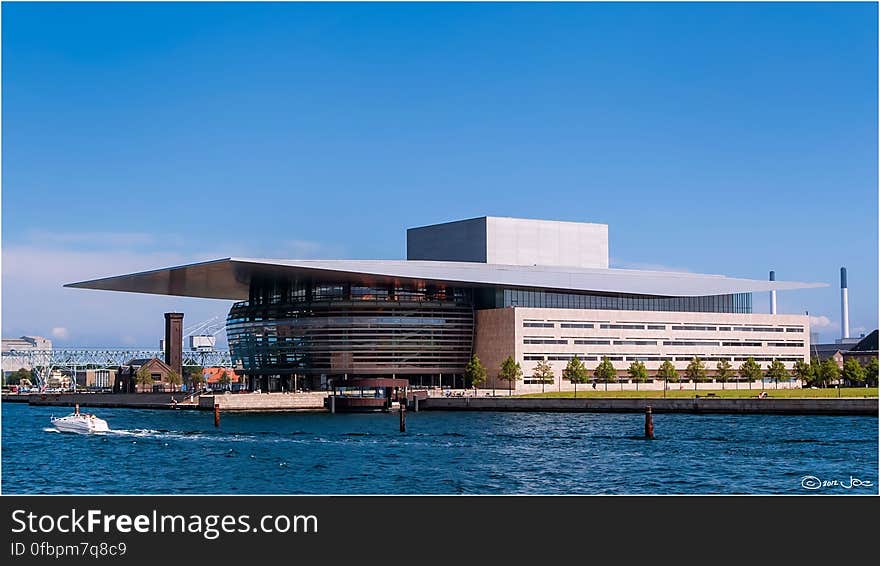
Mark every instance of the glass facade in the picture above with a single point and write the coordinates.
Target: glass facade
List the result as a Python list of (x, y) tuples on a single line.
[(303, 334), (537, 298), (321, 331)]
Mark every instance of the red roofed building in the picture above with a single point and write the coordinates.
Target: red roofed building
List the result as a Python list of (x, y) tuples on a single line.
[(214, 378)]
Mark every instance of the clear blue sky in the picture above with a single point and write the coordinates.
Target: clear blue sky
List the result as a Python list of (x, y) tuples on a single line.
[(716, 138)]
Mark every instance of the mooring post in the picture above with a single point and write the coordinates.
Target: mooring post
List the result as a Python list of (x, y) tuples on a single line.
[(332, 404), (402, 417), (216, 414), (416, 403), (649, 423)]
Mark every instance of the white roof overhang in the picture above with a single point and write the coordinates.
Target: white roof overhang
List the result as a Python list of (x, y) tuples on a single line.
[(229, 278)]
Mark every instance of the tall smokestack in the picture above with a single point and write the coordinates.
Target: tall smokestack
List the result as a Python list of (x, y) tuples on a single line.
[(844, 305), (174, 341), (773, 294)]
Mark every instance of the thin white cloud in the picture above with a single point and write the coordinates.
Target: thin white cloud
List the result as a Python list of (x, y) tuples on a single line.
[(820, 322), (60, 333), (36, 301)]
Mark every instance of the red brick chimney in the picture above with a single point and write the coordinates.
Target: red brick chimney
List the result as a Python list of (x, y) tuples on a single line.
[(174, 341)]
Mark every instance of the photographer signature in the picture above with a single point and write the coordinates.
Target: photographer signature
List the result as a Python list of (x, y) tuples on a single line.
[(813, 483)]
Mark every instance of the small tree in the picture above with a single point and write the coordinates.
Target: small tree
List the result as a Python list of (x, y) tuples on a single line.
[(511, 372), (723, 372), (776, 371), (751, 371), (474, 372), (195, 377), (605, 372), (871, 372), (224, 380), (144, 378), (576, 372), (853, 372), (16, 377), (543, 373), (667, 373), (830, 372), (175, 380), (638, 373), (696, 371), (815, 377), (803, 371)]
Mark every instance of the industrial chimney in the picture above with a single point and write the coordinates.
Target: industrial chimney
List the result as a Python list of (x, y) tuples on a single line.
[(773, 294), (174, 341), (844, 306)]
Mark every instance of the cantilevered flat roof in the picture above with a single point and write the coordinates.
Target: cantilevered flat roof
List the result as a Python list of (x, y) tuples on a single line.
[(229, 278)]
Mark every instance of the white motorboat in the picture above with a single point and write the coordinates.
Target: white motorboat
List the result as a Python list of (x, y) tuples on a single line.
[(82, 423)]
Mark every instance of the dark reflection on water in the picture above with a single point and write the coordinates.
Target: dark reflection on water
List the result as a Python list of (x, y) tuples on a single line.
[(182, 452)]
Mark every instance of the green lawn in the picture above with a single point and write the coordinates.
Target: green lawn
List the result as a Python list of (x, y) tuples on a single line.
[(727, 393)]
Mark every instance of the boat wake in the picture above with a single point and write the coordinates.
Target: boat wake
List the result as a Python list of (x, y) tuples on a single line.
[(137, 432)]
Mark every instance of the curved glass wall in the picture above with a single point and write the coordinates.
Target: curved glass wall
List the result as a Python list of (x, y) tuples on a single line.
[(326, 331)]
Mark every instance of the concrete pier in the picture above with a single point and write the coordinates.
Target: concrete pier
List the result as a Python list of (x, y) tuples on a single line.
[(701, 405), (264, 402), (231, 402), (175, 400)]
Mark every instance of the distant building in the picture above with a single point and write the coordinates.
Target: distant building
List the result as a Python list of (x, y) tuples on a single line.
[(127, 382), (27, 343), (102, 378), (214, 376), (824, 351), (864, 350), (22, 343), (58, 380)]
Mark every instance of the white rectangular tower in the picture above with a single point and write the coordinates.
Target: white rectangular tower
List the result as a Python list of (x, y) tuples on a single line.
[(511, 241)]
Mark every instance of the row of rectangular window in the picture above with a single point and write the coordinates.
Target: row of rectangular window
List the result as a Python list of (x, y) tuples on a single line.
[(579, 342), (637, 358), (558, 358), (662, 327)]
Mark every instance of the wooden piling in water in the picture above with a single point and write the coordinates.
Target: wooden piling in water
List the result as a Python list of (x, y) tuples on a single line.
[(402, 417), (216, 415), (649, 423)]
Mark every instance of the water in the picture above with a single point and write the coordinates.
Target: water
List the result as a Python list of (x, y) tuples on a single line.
[(538, 453)]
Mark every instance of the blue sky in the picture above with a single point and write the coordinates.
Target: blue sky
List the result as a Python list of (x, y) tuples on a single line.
[(716, 138)]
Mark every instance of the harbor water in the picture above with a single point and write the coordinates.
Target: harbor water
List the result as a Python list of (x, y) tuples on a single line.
[(167, 452)]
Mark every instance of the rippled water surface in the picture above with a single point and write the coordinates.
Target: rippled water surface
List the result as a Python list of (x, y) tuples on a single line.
[(548, 453)]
